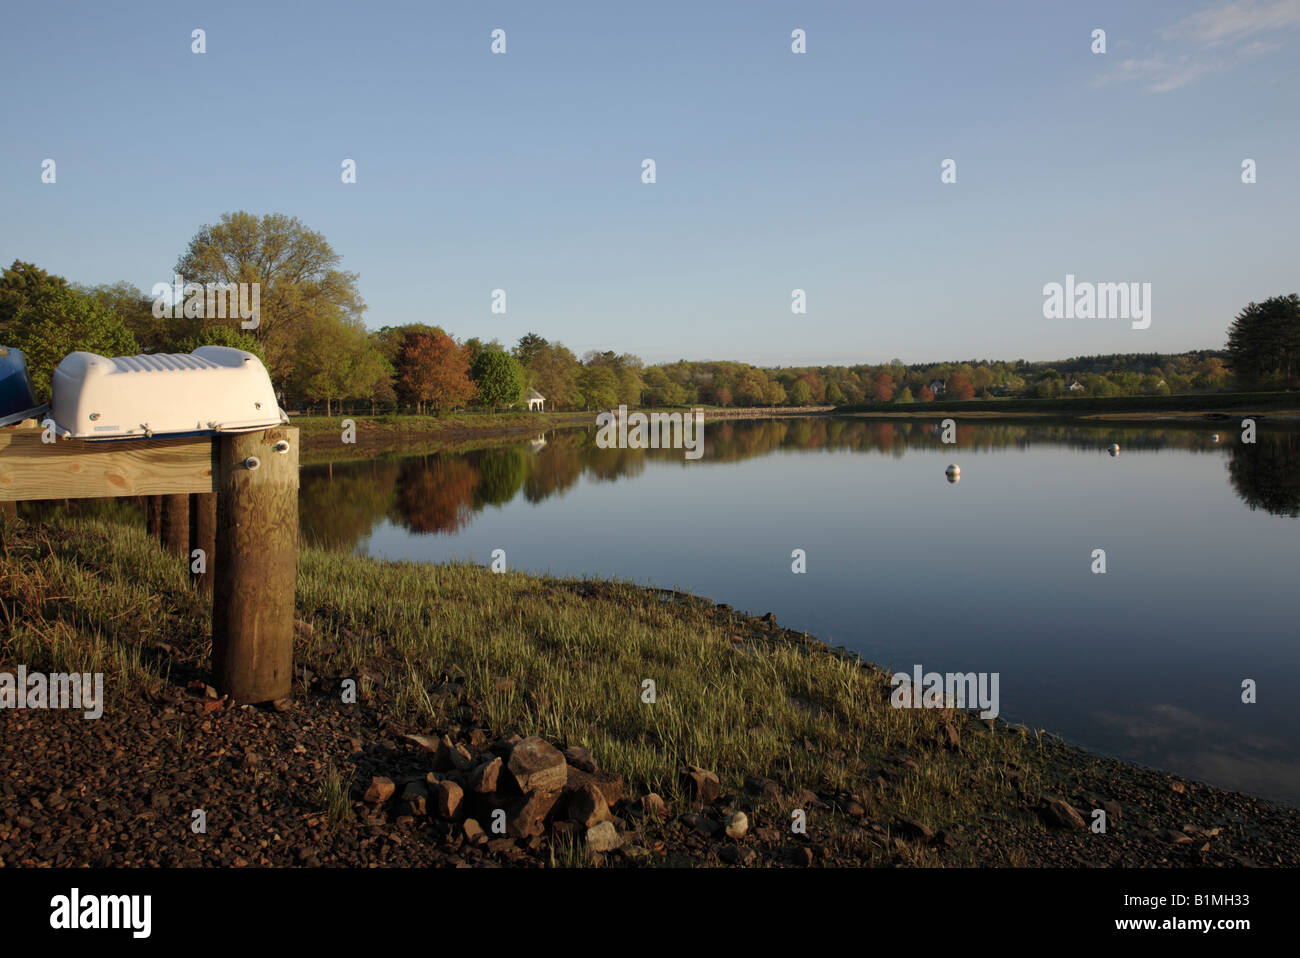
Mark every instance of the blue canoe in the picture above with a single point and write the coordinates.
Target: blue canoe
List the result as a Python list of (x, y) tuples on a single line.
[(16, 399)]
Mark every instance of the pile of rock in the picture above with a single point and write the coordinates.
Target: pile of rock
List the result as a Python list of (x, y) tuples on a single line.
[(516, 789)]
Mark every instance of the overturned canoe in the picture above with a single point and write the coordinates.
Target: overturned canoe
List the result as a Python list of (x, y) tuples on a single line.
[(17, 401), (213, 389)]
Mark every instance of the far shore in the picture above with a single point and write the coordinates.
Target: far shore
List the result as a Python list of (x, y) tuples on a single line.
[(322, 436)]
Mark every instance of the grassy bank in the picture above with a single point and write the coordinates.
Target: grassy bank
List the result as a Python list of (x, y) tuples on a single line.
[(458, 647)]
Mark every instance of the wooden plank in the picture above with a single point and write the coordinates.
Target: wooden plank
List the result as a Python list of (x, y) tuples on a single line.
[(257, 545), (76, 469)]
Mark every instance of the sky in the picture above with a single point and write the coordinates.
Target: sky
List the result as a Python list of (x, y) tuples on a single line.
[(774, 170)]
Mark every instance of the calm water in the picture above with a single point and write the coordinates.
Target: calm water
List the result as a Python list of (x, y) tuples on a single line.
[(992, 574)]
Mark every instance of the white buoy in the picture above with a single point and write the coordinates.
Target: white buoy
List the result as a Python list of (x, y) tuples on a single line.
[(1114, 449), (953, 472), (1214, 438)]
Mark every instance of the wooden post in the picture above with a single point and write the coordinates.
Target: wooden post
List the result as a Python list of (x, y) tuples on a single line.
[(153, 516), (203, 535), (175, 527), (257, 542)]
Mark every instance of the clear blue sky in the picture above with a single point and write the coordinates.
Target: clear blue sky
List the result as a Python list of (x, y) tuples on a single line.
[(775, 170)]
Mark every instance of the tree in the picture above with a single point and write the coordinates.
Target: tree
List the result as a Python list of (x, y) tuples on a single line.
[(599, 387), (800, 393), (554, 372), (1264, 344), (222, 336), (529, 347), (959, 386), (432, 369), (927, 395), (19, 284), (497, 375), (834, 394), (55, 320), (884, 387), (905, 396), (297, 272)]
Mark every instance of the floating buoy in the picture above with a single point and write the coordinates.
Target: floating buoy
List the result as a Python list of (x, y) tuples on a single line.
[(953, 472), (1214, 438), (1114, 449)]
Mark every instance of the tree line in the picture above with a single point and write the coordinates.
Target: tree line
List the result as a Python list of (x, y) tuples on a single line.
[(312, 338)]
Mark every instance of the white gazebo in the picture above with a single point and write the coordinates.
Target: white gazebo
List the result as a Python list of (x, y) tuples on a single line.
[(535, 400)]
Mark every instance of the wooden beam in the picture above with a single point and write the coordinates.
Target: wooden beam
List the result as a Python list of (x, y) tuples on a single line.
[(152, 515), (257, 543), (76, 469)]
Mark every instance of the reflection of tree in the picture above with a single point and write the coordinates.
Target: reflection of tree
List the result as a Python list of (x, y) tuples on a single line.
[(435, 493), (1266, 473), (501, 473), (555, 467), (340, 503)]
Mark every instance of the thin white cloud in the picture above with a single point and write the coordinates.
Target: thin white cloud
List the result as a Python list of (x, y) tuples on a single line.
[(1213, 40)]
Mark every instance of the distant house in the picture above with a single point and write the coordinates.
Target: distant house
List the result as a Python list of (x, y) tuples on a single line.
[(536, 401), (1077, 387), (937, 386)]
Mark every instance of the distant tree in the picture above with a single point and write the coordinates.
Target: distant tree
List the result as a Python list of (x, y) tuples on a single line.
[(432, 371), (905, 395), (19, 284), (498, 376), (529, 347), (834, 394), (55, 320), (598, 386), (1264, 344), (800, 393), (222, 336), (927, 395), (884, 387), (959, 386), (297, 272), (553, 372)]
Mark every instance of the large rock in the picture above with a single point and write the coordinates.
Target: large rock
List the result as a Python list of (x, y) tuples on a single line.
[(485, 778), (587, 806), (579, 757), (414, 798), (701, 783), (1060, 814), (537, 766), (610, 785), (603, 837), (737, 823), (527, 816), (446, 797), (379, 790)]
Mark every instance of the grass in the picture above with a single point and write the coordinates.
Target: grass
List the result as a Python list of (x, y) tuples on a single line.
[(563, 659)]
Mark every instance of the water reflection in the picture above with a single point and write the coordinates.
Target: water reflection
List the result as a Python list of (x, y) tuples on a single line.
[(442, 493), (1266, 473)]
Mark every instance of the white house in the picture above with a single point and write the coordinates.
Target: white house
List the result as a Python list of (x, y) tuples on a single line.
[(535, 400), (1077, 387)]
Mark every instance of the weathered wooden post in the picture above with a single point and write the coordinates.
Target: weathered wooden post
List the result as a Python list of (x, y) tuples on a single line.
[(257, 542), (175, 526), (153, 516), (203, 535)]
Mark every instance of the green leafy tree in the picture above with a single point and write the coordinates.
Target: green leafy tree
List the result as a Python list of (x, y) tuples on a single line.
[(598, 386), (56, 320), (498, 376), (800, 393), (222, 336), (296, 268)]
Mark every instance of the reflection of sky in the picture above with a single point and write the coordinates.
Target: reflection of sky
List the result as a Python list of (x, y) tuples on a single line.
[(991, 574)]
